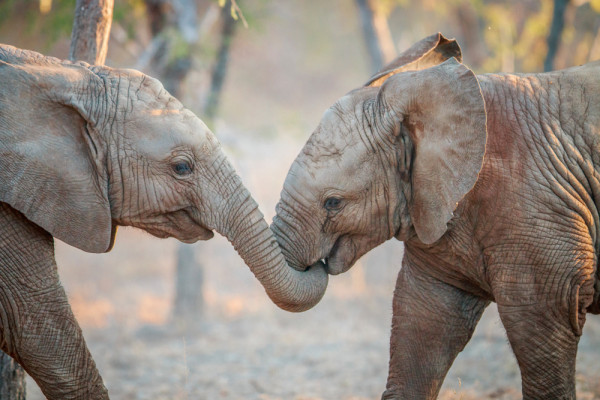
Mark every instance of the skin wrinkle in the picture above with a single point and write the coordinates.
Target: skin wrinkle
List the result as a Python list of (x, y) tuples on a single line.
[(364, 133), (295, 201), (388, 161), (572, 182), (143, 185), (101, 125), (237, 223), (543, 169), (290, 245)]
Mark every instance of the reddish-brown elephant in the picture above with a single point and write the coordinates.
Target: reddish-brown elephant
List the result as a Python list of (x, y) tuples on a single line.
[(493, 184)]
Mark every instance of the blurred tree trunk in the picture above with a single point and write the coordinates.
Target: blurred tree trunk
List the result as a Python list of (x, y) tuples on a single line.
[(220, 69), (594, 53), (376, 32), (91, 29), (556, 29), (12, 379), (173, 25), (470, 29), (189, 280)]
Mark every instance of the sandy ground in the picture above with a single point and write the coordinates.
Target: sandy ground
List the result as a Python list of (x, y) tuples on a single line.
[(240, 346)]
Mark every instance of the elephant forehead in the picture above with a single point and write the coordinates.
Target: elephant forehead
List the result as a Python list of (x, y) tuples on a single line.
[(155, 134), (341, 171), (330, 141)]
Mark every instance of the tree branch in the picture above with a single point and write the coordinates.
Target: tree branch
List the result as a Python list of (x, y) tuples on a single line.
[(91, 29), (556, 29)]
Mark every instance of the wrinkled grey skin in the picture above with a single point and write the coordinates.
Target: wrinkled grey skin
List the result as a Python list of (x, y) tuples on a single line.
[(82, 150), (492, 183)]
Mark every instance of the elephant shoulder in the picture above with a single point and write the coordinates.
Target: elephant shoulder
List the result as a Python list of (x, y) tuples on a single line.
[(13, 55)]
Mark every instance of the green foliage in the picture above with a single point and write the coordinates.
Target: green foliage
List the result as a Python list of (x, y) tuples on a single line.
[(6, 8), (128, 14), (512, 33), (57, 23), (53, 25)]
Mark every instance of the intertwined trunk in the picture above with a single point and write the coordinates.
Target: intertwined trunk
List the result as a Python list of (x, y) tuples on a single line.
[(240, 220)]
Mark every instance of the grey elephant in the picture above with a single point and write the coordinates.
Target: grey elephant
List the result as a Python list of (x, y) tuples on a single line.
[(493, 184), (84, 149)]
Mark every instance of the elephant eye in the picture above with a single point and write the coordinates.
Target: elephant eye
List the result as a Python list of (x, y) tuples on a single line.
[(332, 203), (182, 168)]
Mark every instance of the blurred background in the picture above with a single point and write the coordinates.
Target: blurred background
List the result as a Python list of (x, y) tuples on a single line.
[(165, 320)]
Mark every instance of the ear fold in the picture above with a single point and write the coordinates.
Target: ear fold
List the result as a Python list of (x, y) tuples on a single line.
[(431, 51), (50, 163), (443, 110)]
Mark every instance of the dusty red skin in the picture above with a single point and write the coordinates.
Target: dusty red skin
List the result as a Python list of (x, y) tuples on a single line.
[(492, 183)]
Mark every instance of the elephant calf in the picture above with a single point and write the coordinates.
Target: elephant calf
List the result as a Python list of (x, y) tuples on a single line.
[(493, 184), (84, 149)]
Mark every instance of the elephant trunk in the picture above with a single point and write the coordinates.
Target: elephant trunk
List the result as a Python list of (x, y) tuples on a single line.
[(242, 223)]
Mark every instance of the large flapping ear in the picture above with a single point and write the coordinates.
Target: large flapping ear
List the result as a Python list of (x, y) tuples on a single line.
[(51, 166), (428, 52), (443, 110)]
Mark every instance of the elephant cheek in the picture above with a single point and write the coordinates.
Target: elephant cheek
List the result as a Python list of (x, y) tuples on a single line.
[(342, 256)]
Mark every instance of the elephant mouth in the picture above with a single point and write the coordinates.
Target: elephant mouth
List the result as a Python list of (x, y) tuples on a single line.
[(163, 232), (180, 225), (337, 261)]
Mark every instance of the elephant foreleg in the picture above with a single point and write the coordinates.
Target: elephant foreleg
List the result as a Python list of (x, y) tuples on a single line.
[(432, 323), (37, 326)]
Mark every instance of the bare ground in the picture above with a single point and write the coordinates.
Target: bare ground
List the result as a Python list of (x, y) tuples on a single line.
[(240, 346)]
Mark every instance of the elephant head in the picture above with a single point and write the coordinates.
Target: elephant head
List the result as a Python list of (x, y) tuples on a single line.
[(390, 159), (84, 149)]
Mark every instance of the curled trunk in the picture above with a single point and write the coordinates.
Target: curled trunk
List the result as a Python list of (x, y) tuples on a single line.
[(243, 224)]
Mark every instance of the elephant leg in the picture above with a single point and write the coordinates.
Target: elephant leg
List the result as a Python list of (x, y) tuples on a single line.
[(432, 323), (37, 326), (545, 350), (544, 328), (543, 295)]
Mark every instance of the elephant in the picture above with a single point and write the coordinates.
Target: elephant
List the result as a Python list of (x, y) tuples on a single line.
[(84, 149), (491, 181)]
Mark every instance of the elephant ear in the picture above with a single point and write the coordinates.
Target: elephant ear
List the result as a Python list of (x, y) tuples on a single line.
[(443, 111), (428, 52), (51, 168)]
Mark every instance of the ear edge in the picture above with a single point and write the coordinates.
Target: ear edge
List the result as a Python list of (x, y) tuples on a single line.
[(436, 49)]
